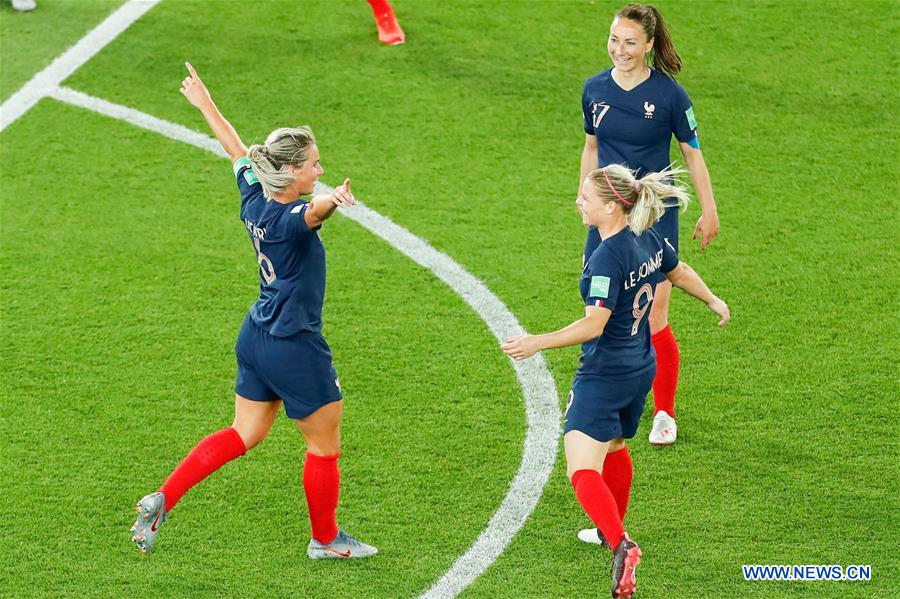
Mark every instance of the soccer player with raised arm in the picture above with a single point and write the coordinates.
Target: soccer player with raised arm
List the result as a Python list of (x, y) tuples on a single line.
[(631, 112), (281, 354), (618, 363)]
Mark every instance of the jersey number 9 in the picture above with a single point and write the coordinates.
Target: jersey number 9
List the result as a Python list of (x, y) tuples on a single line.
[(639, 311)]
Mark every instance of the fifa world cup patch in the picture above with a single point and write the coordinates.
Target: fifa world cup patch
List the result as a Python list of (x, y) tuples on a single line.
[(599, 287), (250, 177), (692, 121)]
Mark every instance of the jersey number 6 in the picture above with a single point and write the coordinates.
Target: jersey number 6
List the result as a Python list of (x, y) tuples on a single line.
[(266, 269), (637, 310)]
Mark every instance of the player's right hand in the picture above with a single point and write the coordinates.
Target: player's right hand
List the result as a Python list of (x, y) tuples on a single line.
[(193, 89), (720, 308)]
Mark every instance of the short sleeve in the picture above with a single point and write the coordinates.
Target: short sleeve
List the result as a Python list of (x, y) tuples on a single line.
[(604, 281), (247, 181), (295, 219), (586, 111), (684, 123), (670, 257)]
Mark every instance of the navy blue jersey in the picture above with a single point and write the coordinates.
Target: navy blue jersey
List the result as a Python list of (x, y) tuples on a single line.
[(621, 275), (635, 128), (291, 259)]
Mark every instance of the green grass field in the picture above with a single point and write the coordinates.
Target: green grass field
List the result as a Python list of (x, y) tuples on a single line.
[(126, 274)]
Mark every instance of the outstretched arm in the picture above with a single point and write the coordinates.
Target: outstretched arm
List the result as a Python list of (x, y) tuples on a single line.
[(322, 206), (193, 89), (684, 277), (583, 329)]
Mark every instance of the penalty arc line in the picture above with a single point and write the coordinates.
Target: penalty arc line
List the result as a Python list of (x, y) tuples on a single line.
[(541, 407)]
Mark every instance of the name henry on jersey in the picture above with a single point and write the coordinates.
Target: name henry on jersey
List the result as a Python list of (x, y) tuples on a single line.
[(255, 231), (644, 270)]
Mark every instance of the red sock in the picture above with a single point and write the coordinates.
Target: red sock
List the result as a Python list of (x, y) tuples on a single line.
[(322, 482), (617, 474), (208, 455), (380, 6), (667, 362), (389, 30), (599, 504)]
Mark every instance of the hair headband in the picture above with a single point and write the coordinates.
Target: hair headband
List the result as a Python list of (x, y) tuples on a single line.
[(618, 195)]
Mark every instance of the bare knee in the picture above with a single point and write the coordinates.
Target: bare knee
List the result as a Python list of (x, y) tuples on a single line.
[(576, 463), (250, 433), (615, 445), (253, 419)]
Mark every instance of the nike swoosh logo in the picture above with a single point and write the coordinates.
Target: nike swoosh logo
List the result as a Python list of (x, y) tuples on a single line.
[(340, 553), (154, 527)]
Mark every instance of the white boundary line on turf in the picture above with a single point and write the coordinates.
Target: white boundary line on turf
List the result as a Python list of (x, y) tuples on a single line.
[(541, 403), (69, 61)]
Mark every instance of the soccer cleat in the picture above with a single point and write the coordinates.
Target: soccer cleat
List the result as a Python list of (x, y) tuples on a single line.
[(343, 546), (664, 429), (624, 562), (24, 5), (592, 535), (151, 516)]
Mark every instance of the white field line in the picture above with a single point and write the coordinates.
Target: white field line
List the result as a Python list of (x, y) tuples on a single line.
[(541, 403), (69, 61), (541, 406)]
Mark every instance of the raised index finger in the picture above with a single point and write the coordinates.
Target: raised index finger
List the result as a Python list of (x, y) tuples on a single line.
[(191, 70)]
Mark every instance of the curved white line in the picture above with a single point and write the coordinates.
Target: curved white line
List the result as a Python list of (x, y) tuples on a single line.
[(541, 406)]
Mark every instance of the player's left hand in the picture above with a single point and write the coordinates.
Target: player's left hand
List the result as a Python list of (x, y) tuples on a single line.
[(521, 347), (342, 196), (193, 88), (707, 228)]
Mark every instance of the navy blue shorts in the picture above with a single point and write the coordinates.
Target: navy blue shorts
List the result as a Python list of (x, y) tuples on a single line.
[(604, 408), (667, 226), (296, 369)]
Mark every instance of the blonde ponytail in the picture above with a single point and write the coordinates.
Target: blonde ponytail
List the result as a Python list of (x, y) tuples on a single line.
[(271, 162), (642, 200)]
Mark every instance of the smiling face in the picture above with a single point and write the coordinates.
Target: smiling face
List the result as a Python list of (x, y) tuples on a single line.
[(594, 209), (306, 175), (628, 45)]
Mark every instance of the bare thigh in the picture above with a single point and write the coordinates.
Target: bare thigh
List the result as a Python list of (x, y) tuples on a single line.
[(322, 429)]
